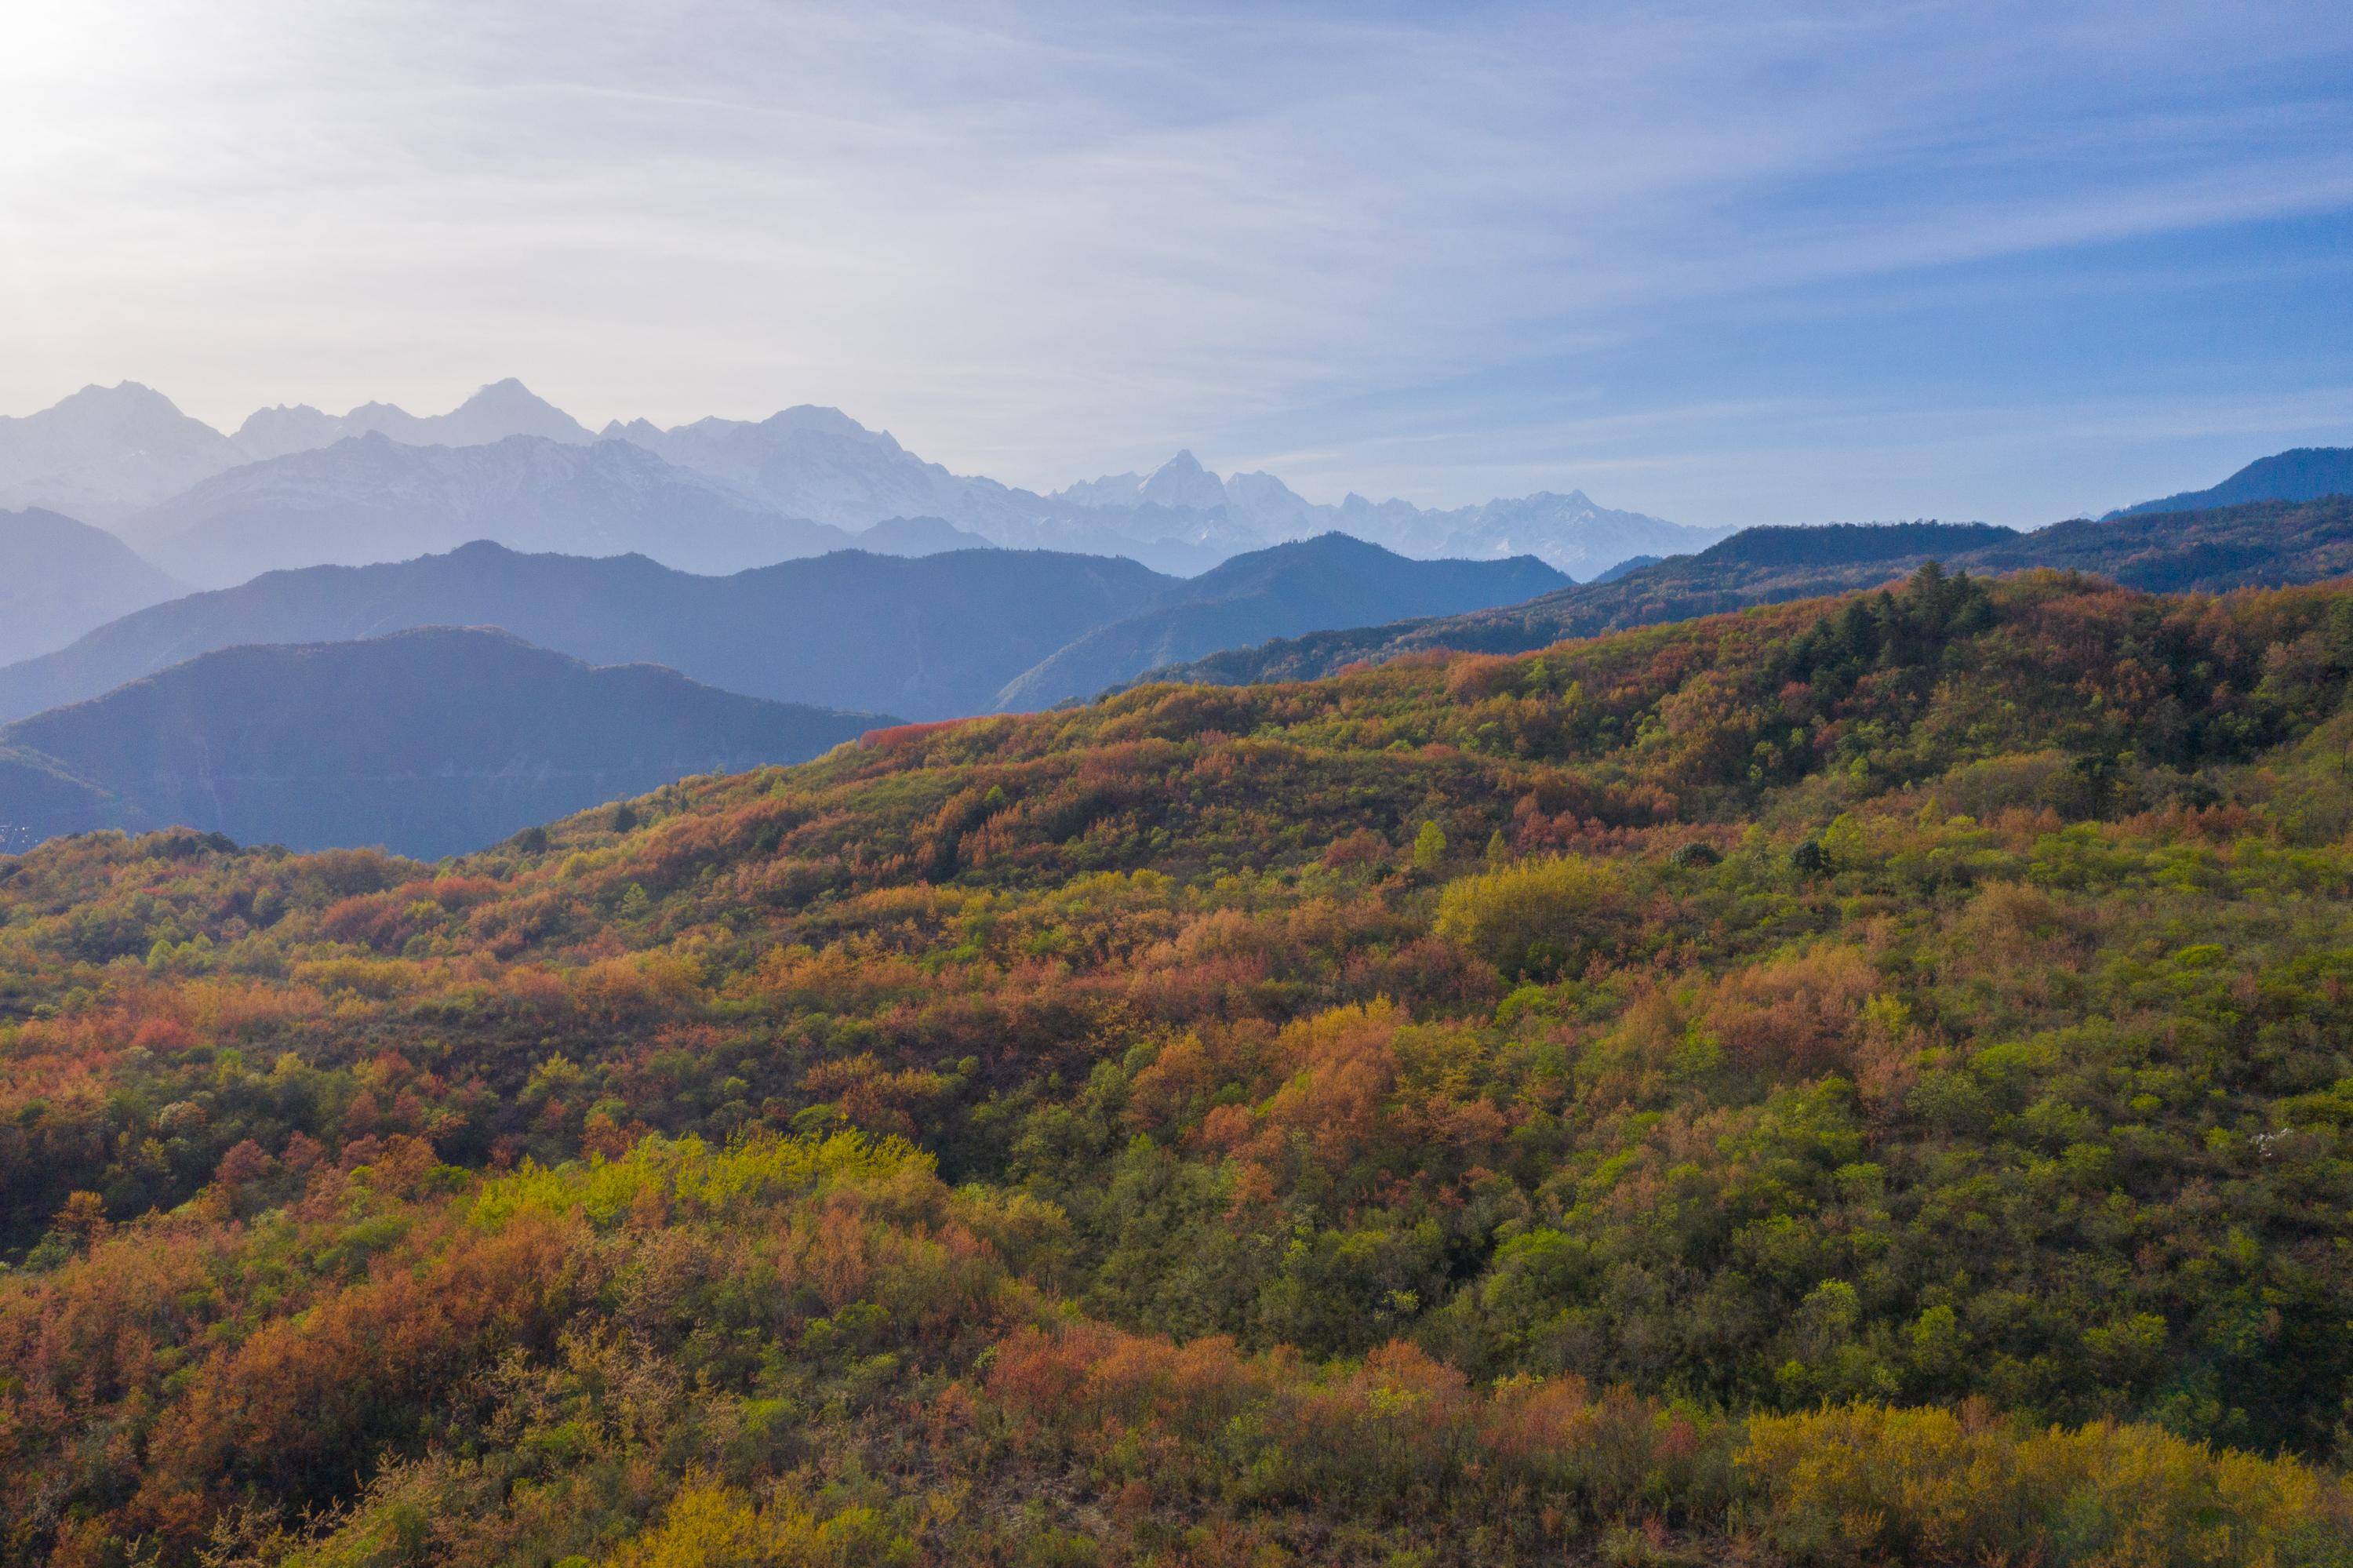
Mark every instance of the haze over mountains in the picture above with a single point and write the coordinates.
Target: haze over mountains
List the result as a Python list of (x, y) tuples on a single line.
[(1271, 593), (106, 452), (501, 410), (929, 637), (800, 559), (919, 638), (125, 455), (370, 498), (429, 742), (59, 578)]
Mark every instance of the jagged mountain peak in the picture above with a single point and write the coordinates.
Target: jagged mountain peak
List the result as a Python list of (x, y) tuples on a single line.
[(1183, 481), (102, 451), (815, 461), (123, 394), (493, 412), (375, 496), (508, 393)]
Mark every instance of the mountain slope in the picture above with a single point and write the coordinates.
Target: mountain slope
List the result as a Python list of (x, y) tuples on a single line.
[(59, 578), (501, 410), (926, 638), (369, 498), (429, 742), (1851, 1083), (1330, 581), (2269, 543), (2306, 473), (820, 463), (107, 452)]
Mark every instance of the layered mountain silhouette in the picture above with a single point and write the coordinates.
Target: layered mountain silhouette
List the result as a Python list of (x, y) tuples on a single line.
[(2264, 544), (370, 498), (926, 638), (125, 456), (1183, 500), (59, 578), (113, 455), (1272, 593), (429, 742), (2306, 473)]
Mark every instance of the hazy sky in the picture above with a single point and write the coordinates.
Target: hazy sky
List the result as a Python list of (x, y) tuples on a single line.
[(1726, 262)]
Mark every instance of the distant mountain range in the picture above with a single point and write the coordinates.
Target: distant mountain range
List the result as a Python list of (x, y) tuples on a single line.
[(106, 452), (59, 578), (282, 710), (370, 498), (821, 464), (2262, 544), (1181, 500), (933, 637), (124, 455), (427, 742), (334, 703), (215, 506), (2306, 474), (501, 410), (1272, 593)]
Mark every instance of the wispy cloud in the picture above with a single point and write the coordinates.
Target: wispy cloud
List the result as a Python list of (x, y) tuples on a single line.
[(1041, 240)]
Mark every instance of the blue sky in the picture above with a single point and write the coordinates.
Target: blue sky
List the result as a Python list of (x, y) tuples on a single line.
[(1728, 263)]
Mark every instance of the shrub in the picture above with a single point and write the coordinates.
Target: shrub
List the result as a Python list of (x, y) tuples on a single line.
[(1539, 917), (1865, 1483)]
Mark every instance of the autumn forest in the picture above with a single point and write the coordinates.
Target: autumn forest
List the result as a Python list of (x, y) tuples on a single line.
[(1857, 1081)]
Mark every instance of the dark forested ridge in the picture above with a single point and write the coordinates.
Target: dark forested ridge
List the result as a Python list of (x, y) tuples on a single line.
[(430, 742), (2304, 473), (2267, 544), (1852, 1082)]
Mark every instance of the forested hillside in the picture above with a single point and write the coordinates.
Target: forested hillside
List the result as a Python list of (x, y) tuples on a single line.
[(2266, 544), (1852, 1082)]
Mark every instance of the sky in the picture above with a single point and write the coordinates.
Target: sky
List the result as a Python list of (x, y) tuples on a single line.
[(1726, 263)]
